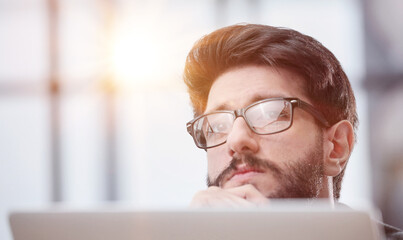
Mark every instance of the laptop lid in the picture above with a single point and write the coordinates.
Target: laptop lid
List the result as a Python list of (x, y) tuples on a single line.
[(194, 224)]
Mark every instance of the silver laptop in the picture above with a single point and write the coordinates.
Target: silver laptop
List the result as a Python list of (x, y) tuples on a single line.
[(251, 224)]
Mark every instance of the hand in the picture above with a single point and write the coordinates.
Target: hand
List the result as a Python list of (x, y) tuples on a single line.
[(242, 196)]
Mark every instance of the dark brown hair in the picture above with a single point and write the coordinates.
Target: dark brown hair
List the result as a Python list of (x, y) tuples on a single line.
[(326, 83)]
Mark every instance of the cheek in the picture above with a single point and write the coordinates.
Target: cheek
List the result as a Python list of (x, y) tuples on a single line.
[(288, 145), (216, 162), (277, 149)]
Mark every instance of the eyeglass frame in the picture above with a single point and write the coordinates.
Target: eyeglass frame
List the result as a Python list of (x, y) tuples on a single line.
[(295, 102)]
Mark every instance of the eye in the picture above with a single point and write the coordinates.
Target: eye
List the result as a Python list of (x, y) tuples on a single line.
[(283, 115), (219, 127), (209, 129), (272, 115)]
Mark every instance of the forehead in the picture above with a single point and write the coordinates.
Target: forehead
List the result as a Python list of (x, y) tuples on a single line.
[(240, 87)]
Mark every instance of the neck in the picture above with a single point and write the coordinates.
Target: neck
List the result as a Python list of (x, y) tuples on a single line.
[(330, 190), (326, 193)]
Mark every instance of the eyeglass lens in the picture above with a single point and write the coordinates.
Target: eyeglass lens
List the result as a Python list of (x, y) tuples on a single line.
[(266, 117)]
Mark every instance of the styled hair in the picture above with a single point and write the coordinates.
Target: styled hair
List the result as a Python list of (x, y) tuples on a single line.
[(326, 84)]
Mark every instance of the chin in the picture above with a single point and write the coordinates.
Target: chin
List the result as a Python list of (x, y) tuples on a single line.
[(267, 192), (262, 186)]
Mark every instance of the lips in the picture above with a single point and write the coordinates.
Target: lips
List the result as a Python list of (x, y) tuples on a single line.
[(243, 174)]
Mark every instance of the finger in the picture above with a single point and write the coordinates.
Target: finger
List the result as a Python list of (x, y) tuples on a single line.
[(250, 193), (217, 197)]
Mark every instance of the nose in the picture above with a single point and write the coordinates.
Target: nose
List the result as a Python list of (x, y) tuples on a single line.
[(242, 139)]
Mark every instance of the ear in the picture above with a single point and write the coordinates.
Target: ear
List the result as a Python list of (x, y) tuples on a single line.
[(338, 145)]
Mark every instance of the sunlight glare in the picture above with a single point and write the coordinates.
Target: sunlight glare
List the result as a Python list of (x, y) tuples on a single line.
[(137, 56)]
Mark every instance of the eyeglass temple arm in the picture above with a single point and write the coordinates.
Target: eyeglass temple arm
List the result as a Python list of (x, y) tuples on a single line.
[(318, 115), (189, 128)]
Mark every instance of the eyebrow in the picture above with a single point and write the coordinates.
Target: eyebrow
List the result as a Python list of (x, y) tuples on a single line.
[(256, 98)]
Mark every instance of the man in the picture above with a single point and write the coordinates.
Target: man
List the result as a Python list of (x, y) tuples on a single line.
[(275, 112)]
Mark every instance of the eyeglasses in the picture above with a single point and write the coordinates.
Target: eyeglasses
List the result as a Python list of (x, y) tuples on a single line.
[(268, 116)]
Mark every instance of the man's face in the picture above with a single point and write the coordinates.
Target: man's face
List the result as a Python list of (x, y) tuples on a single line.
[(285, 164)]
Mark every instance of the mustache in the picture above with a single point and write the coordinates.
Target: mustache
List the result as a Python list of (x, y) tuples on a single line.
[(250, 161)]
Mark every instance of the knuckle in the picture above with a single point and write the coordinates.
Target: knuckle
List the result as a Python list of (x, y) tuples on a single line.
[(200, 194), (213, 189), (249, 186), (207, 193)]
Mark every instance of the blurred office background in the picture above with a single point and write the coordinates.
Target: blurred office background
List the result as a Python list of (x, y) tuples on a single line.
[(93, 108)]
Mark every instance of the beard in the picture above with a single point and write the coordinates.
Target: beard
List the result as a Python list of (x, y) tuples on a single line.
[(302, 178)]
